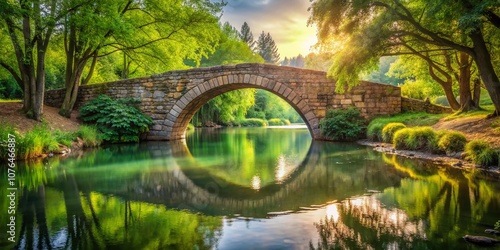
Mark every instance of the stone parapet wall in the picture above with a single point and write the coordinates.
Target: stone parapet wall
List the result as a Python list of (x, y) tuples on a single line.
[(172, 98), (415, 105)]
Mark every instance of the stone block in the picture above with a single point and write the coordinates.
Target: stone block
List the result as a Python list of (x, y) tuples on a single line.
[(346, 102)]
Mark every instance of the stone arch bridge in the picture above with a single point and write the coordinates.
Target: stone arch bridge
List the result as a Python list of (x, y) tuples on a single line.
[(172, 98)]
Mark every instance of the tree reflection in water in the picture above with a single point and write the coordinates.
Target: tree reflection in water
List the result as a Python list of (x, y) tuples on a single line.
[(364, 223), (431, 208)]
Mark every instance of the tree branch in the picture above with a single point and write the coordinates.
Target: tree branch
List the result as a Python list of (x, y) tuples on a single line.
[(13, 73), (493, 18), (434, 37)]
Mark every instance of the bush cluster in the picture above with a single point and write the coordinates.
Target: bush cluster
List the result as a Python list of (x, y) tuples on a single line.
[(425, 138), (374, 130), (389, 130), (343, 124), (253, 122), (452, 141), (278, 122), (481, 153), (118, 120)]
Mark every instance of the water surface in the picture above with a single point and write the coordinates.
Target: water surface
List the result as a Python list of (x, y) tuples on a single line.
[(247, 188)]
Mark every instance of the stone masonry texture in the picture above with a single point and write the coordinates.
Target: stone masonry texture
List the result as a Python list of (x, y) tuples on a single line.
[(172, 98)]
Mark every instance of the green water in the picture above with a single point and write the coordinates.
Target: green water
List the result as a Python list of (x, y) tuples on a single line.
[(236, 188)]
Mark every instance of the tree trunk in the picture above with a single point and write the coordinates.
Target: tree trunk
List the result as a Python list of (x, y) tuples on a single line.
[(482, 58), (72, 90), (40, 82), (447, 87), (75, 64), (450, 96), (466, 102), (477, 92), (86, 80)]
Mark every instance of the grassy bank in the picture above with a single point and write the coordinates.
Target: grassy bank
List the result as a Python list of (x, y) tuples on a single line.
[(42, 140), (412, 131)]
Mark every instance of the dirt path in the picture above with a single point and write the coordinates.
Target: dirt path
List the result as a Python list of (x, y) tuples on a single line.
[(9, 112), (477, 127)]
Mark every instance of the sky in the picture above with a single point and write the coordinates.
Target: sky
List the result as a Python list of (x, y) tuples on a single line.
[(285, 20)]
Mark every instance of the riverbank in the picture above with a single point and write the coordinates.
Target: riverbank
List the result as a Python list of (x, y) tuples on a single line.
[(55, 135), (473, 125), (451, 161)]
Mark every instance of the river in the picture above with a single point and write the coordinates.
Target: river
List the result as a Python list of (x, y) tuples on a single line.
[(246, 188)]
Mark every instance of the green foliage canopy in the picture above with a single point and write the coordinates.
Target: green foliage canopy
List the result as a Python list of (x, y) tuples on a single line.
[(368, 30)]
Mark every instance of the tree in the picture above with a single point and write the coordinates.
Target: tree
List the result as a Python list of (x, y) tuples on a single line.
[(230, 50), (268, 106), (285, 62), (386, 27), (380, 75), (229, 107), (266, 47), (298, 61), (320, 61), (247, 36), (156, 29), (29, 25)]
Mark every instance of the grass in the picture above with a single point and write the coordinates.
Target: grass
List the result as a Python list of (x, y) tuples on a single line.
[(389, 130), (481, 153), (374, 130), (486, 108), (89, 135), (422, 138), (41, 140), (10, 100), (35, 142), (400, 138), (451, 141)]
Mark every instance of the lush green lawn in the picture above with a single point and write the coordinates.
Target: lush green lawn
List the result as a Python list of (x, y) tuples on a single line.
[(411, 119)]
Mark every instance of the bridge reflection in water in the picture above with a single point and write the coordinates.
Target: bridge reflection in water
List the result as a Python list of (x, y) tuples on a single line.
[(180, 195)]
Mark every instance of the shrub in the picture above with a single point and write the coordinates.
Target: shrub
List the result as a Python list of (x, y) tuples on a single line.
[(452, 141), (389, 130), (422, 138), (89, 135), (400, 138), (278, 122), (275, 122), (253, 122), (65, 138), (190, 127), (35, 142), (343, 124), (481, 153), (374, 131), (118, 120)]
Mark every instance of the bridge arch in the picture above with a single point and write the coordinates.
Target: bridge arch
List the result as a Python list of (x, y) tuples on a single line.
[(183, 110)]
